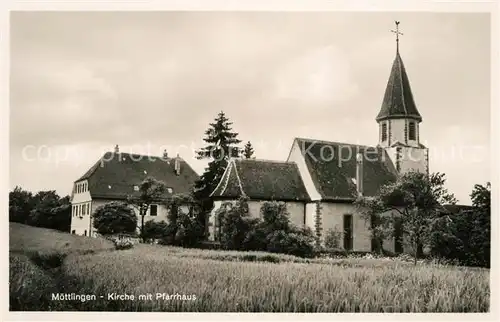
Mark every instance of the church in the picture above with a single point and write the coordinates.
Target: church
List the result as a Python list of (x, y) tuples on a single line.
[(320, 180)]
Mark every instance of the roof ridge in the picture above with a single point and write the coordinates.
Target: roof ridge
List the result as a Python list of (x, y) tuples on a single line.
[(145, 155), (238, 178), (338, 143), (265, 160)]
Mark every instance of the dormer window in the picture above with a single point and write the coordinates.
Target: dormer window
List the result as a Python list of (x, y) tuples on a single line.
[(136, 188)]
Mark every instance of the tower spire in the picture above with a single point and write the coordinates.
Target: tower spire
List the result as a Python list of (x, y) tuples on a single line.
[(398, 102), (397, 35)]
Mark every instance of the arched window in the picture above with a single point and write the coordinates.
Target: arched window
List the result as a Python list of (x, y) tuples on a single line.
[(412, 133), (384, 132)]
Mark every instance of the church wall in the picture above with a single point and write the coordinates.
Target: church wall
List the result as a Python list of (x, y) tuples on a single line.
[(332, 218), (295, 209), (413, 158), (311, 216), (211, 219), (397, 131), (297, 157), (409, 158)]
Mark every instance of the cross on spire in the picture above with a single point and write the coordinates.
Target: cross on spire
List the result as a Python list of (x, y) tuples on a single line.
[(397, 35)]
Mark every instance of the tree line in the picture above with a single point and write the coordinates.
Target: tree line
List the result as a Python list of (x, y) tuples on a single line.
[(44, 209), (49, 210), (409, 210)]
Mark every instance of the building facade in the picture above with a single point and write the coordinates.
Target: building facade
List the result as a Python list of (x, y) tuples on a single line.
[(320, 180), (117, 176)]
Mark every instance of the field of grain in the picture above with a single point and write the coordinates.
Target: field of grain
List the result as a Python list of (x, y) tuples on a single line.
[(265, 287), (218, 281), (44, 243)]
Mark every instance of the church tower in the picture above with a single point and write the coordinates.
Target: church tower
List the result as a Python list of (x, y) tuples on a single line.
[(399, 120)]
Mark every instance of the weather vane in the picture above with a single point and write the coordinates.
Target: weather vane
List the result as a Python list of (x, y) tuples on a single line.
[(397, 34)]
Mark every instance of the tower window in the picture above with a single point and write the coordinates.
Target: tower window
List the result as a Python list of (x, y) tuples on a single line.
[(412, 133), (384, 132)]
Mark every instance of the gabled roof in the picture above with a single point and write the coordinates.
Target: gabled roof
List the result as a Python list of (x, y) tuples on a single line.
[(332, 167), (261, 179), (114, 175), (398, 98)]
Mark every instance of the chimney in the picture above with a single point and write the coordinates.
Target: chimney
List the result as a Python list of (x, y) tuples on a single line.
[(177, 165), (117, 149), (359, 173), (165, 154)]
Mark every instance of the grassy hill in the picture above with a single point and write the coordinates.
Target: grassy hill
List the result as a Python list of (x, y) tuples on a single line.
[(43, 262)]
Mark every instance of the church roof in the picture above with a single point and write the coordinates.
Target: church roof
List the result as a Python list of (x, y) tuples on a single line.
[(114, 175), (398, 98), (261, 179), (332, 167)]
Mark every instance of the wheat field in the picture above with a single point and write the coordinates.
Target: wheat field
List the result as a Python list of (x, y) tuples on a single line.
[(221, 286), (222, 281)]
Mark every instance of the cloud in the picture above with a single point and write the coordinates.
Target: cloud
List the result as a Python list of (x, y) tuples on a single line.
[(92, 80), (57, 99), (320, 75)]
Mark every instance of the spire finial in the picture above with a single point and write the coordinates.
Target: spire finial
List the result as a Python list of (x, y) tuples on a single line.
[(397, 35)]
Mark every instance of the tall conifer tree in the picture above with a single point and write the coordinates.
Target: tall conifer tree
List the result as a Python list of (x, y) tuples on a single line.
[(222, 144), (248, 151)]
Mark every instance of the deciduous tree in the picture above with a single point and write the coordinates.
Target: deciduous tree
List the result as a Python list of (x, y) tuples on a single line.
[(114, 218), (151, 191), (415, 199)]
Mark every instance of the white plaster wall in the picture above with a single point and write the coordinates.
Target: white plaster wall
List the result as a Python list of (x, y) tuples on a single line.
[(413, 158), (311, 216), (410, 158), (332, 218), (397, 130), (80, 224), (297, 157), (211, 219), (161, 214), (295, 209)]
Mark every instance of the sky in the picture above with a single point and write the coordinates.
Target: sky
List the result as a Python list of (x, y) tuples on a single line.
[(82, 82)]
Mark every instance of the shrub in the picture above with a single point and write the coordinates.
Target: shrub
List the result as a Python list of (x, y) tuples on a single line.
[(155, 230), (184, 228), (235, 224), (121, 242), (297, 242), (332, 239), (256, 236), (114, 218), (276, 216)]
